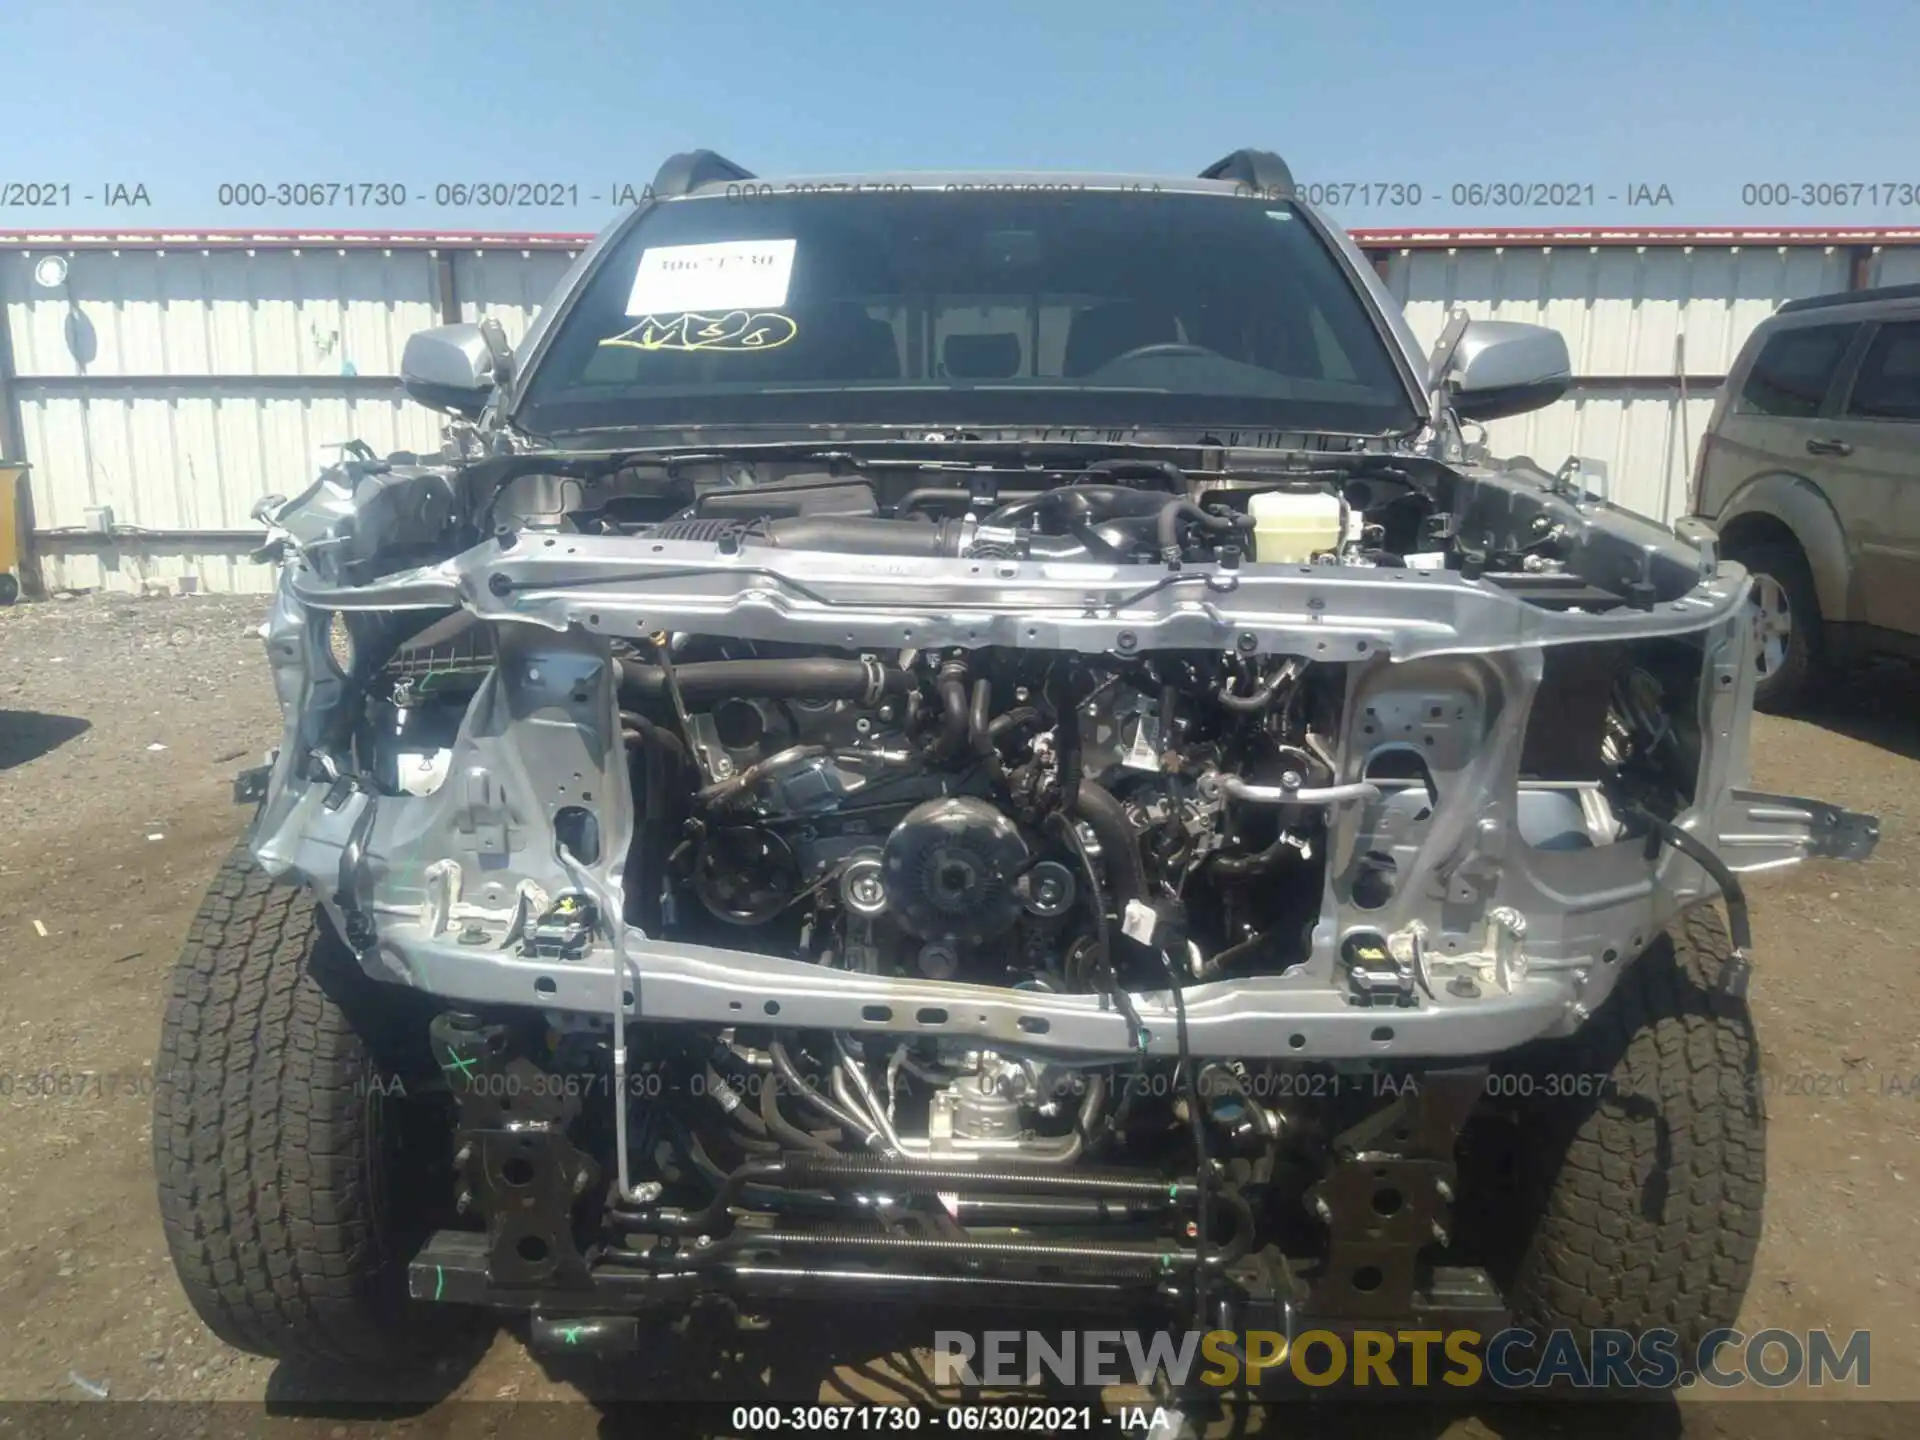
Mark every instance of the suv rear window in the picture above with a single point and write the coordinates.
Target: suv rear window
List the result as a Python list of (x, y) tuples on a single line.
[(1888, 386), (1791, 374)]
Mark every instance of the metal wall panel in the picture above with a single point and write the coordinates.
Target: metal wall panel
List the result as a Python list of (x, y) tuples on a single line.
[(170, 459), (203, 567), (1895, 265), (510, 285), (178, 386), (1620, 307), (181, 460), (219, 312)]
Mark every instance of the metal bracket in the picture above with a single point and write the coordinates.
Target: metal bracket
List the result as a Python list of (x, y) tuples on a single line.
[(715, 764), (1441, 360), (1570, 480), (1704, 538), (1506, 928), (250, 786), (1759, 831), (512, 1156), (1389, 1196), (485, 816)]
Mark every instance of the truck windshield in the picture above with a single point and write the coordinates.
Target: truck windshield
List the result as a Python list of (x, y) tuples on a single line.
[(1064, 307)]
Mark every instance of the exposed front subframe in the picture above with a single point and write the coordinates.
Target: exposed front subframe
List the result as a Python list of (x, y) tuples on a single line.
[(1264, 1016)]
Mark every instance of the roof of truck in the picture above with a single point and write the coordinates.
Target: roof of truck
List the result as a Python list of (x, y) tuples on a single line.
[(931, 180)]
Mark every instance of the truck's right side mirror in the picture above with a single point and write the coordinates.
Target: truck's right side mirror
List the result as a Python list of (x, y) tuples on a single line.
[(1503, 367), (450, 367)]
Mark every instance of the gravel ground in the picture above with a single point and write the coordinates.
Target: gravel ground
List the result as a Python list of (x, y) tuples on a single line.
[(122, 722)]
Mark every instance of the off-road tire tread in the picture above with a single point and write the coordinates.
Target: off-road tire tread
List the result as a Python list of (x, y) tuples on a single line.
[(1627, 1238), (263, 1135)]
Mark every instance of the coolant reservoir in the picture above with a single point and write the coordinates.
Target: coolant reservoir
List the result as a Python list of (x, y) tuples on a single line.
[(1292, 526)]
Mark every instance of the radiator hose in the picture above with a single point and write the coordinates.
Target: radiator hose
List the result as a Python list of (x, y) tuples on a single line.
[(1119, 846)]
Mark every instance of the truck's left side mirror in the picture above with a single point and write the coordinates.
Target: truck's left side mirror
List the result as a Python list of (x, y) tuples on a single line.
[(450, 367), (1502, 367)]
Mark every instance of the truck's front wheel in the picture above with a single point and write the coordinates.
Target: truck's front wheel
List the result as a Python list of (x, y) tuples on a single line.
[(1635, 1155), (289, 1201)]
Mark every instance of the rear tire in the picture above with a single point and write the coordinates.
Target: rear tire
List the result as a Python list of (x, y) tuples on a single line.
[(1789, 652), (275, 1141), (1640, 1207)]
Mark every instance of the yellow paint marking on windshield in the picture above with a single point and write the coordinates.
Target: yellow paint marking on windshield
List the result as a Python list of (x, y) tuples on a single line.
[(736, 332)]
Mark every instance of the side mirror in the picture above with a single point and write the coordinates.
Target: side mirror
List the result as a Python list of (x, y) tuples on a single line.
[(455, 367), (1502, 367)]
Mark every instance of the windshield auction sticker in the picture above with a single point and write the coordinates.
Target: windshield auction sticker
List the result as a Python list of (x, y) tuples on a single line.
[(729, 275)]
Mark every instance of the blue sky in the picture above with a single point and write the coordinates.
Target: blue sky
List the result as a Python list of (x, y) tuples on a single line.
[(183, 96)]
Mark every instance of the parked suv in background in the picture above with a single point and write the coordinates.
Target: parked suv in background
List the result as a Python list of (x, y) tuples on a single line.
[(1810, 470)]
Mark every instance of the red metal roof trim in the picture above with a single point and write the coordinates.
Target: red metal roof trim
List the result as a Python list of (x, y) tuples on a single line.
[(1412, 239), (286, 240)]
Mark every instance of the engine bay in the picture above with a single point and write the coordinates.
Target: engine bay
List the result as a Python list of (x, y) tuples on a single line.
[(1033, 820), (1005, 815), (865, 825)]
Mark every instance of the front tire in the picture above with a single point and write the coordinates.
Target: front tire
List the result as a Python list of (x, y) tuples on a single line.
[(275, 1140), (1640, 1205)]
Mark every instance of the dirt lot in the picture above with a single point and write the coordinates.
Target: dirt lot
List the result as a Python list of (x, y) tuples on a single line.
[(122, 722)]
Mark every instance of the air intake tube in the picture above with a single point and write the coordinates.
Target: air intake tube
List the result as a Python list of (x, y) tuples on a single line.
[(862, 535), (865, 535), (802, 678)]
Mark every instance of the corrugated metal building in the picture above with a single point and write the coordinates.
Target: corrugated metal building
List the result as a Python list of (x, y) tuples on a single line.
[(175, 379), (170, 380)]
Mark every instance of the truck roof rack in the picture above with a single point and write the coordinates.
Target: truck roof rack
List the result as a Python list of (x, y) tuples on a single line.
[(686, 172), (1851, 297), (1260, 170)]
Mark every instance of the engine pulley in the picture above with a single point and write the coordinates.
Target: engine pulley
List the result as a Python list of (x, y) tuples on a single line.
[(951, 870)]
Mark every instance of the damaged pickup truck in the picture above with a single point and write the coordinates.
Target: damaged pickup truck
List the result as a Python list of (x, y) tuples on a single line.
[(979, 741)]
